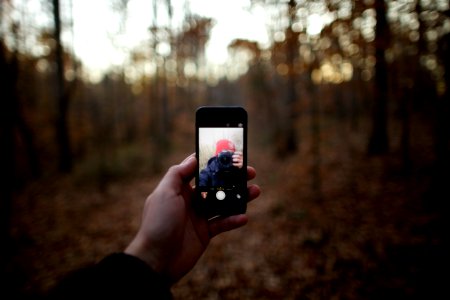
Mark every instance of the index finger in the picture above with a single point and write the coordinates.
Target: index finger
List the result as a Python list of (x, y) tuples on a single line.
[(251, 173)]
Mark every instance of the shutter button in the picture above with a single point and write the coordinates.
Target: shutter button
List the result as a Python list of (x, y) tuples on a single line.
[(220, 195)]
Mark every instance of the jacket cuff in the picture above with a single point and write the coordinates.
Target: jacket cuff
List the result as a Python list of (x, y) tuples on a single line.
[(134, 273), (118, 275)]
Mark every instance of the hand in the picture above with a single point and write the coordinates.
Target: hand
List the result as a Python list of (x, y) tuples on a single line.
[(172, 236), (238, 162)]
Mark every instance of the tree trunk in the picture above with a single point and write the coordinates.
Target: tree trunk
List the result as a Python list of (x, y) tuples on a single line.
[(8, 77), (62, 131), (440, 185), (288, 141), (378, 143)]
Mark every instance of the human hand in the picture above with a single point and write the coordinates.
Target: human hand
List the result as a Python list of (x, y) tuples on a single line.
[(172, 236), (238, 161)]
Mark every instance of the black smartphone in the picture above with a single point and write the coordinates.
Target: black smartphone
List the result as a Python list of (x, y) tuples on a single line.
[(221, 149)]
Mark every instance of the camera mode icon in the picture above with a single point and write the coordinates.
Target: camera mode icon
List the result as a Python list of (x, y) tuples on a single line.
[(220, 195)]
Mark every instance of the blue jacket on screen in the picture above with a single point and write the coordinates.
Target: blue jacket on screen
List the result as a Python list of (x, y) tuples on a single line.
[(213, 176)]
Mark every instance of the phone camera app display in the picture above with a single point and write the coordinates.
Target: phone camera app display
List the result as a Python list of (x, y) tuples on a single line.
[(221, 162)]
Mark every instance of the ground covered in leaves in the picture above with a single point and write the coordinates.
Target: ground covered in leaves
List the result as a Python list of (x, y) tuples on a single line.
[(331, 223)]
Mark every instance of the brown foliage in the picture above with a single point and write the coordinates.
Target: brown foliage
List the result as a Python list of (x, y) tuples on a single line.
[(360, 233)]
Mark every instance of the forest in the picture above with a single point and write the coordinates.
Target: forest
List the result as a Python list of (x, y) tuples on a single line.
[(349, 132)]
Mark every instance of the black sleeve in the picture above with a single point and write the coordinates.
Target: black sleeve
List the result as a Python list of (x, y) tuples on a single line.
[(117, 276)]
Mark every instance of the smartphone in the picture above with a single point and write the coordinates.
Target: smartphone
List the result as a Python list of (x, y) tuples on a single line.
[(221, 149)]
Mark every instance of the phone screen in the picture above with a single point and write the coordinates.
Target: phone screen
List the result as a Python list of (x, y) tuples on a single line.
[(222, 163)]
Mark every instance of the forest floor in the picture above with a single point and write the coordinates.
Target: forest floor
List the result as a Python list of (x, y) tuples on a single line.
[(339, 225)]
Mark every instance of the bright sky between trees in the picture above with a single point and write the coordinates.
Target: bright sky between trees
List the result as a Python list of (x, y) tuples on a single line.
[(100, 42)]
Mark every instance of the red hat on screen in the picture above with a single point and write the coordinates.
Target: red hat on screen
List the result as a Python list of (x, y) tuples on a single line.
[(225, 145)]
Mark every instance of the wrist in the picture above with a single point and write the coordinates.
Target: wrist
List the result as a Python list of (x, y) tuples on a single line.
[(142, 251), (138, 271)]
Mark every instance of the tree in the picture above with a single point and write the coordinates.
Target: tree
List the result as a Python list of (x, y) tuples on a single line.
[(288, 142), (62, 130), (286, 59), (440, 190), (378, 142), (8, 76)]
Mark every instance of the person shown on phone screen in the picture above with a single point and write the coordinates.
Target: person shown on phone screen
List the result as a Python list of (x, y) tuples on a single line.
[(221, 169)]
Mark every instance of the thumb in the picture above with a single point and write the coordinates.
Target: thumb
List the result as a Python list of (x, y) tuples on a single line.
[(179, 175), (187, 168)]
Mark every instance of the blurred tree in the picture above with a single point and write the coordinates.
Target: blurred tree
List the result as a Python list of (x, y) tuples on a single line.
[(440, 188), (288, 141), (378, 142), (17, 141), (160, 50), (15, 134), (8, 76), (189, 47), (257, 83), (259, 89), (62, 130), (286, 59)]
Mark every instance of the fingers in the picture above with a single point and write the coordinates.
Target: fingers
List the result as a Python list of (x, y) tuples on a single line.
[(253, 192), (218, 226), (251, 173)]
